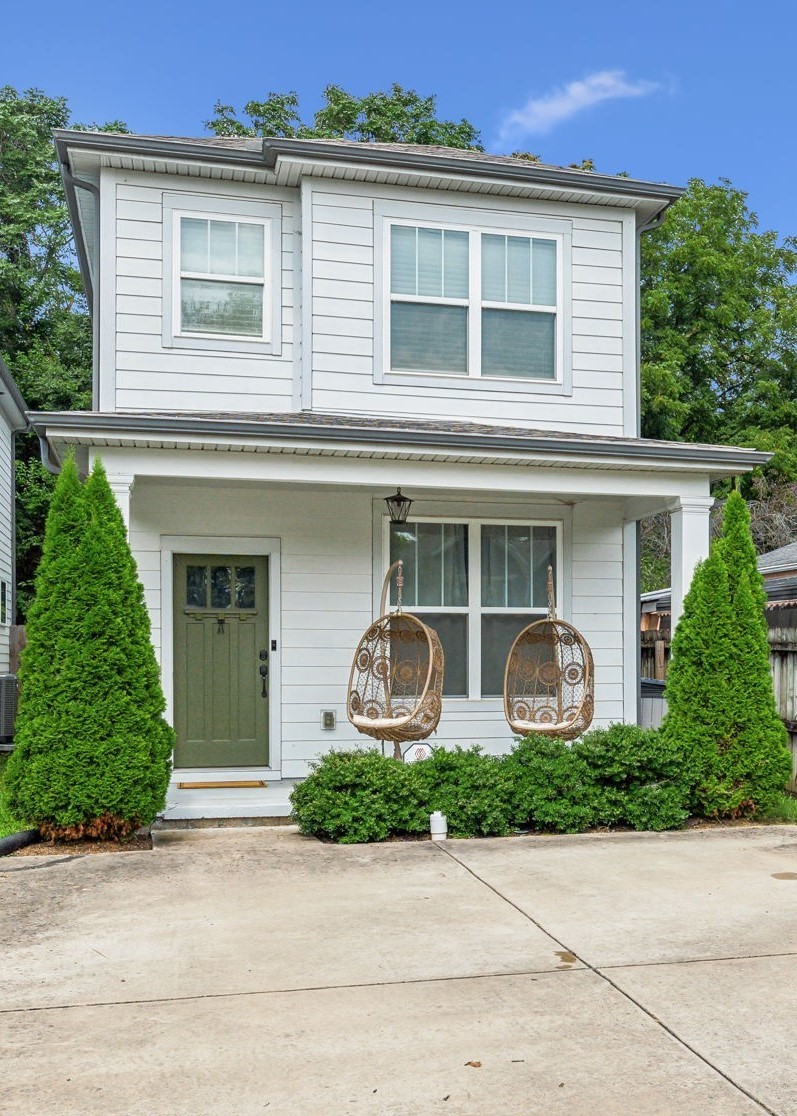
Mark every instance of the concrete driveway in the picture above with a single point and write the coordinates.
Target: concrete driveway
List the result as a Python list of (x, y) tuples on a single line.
[(255, 971)]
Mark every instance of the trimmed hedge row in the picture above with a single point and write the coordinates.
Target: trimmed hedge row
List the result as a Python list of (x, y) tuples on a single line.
[(623, 775)]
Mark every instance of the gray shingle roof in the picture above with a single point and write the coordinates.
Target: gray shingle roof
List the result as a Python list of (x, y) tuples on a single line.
[(783, 556)]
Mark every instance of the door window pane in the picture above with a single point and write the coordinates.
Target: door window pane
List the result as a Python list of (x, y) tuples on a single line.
[(519, 343), (498, 633), (453, 631), (220, 587), (428, 338), (196, 586), (215, 307), (244, 586)]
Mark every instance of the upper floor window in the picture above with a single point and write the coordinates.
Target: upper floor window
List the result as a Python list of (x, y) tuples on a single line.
[(223, 278), (222, 274), (474, 303)]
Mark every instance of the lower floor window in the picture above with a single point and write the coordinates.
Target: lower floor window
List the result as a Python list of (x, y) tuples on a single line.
[(478, 584)]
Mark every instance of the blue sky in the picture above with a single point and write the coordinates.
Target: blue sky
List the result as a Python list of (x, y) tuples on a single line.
[(666, 92)]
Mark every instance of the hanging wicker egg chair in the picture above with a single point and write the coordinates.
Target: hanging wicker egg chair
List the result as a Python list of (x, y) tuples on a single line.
[(549, 681), (396, 681)]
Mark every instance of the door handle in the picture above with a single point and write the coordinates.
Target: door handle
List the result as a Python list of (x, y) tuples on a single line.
[(264, 676)]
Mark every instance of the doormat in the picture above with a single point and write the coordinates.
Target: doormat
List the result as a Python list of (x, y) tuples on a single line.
[(222, 784)]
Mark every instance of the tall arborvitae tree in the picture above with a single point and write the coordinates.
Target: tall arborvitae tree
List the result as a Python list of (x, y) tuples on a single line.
[(92, 747), (722, 714)]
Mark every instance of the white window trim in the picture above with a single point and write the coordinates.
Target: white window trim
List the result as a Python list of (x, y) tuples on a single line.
[(462, 220), (266, 214), (474, 610)]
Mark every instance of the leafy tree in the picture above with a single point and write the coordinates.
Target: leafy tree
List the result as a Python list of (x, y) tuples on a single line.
[(722, 714), (397, 115), (92, 748), (719, 326), (45, 332)]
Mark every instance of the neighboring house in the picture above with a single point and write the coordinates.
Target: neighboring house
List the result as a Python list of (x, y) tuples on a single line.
[(779, 570), (13, 421), (286, 332)]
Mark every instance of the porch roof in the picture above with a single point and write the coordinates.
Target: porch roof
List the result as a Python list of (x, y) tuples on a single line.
[(313, 433)]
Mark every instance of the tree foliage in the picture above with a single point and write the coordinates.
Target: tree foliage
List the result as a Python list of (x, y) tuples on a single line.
[(719, 327), (45, 331), (396, 115), (721, 707), (92, 749)]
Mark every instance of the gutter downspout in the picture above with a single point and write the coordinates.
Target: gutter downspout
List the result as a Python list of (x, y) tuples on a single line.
[(83, 184), (47, 460)]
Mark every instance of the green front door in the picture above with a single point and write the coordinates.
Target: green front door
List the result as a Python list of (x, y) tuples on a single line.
[(221, 661)]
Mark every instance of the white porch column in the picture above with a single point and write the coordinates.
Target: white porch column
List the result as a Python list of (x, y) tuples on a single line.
[(689, 518), (122, 488)]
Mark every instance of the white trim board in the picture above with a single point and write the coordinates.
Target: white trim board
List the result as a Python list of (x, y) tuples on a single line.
[(227, 544)]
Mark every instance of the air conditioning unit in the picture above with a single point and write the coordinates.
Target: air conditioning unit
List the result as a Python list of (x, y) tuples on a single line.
[(8, 706)]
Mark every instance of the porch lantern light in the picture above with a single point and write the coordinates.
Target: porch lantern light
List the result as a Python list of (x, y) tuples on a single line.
[(398, 506)]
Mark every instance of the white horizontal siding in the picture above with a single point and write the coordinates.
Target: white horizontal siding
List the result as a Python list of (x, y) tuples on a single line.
[(345, 273), (597, 599), (148, 374), (328, 582)]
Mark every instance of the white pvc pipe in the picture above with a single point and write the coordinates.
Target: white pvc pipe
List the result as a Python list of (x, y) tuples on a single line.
[(438, 826)]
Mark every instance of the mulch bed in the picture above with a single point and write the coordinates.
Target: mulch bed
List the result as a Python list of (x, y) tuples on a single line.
[(139, 842)]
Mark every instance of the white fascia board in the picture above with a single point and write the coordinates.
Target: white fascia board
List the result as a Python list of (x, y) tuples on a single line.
[(364, 450)]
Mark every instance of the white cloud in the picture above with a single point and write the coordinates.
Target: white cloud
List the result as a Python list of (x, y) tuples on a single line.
[(540, 114)]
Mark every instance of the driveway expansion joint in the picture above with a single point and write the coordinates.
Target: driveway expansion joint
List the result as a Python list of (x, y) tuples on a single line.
[(443, 847), (557, 971)]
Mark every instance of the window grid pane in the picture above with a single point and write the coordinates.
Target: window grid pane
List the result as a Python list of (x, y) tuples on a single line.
[(435, 557), (430, 262), (544, 555), (455, 264), (210, 306), (403, 254), (544, 273), (519, 343), (499, 631), (194, 244), (429, 338), (453, 631)]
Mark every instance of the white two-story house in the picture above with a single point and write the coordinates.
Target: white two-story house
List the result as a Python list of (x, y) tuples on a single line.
[(286, 332)]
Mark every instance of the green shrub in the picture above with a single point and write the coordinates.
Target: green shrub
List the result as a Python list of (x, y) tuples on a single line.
[(722, 716), (553, 788), (358, 796), (783, 808), (474, 791), (637, 777), (92, 749)]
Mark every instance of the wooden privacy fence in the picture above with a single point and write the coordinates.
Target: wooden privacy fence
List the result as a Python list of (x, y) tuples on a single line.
[(782, 634)]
